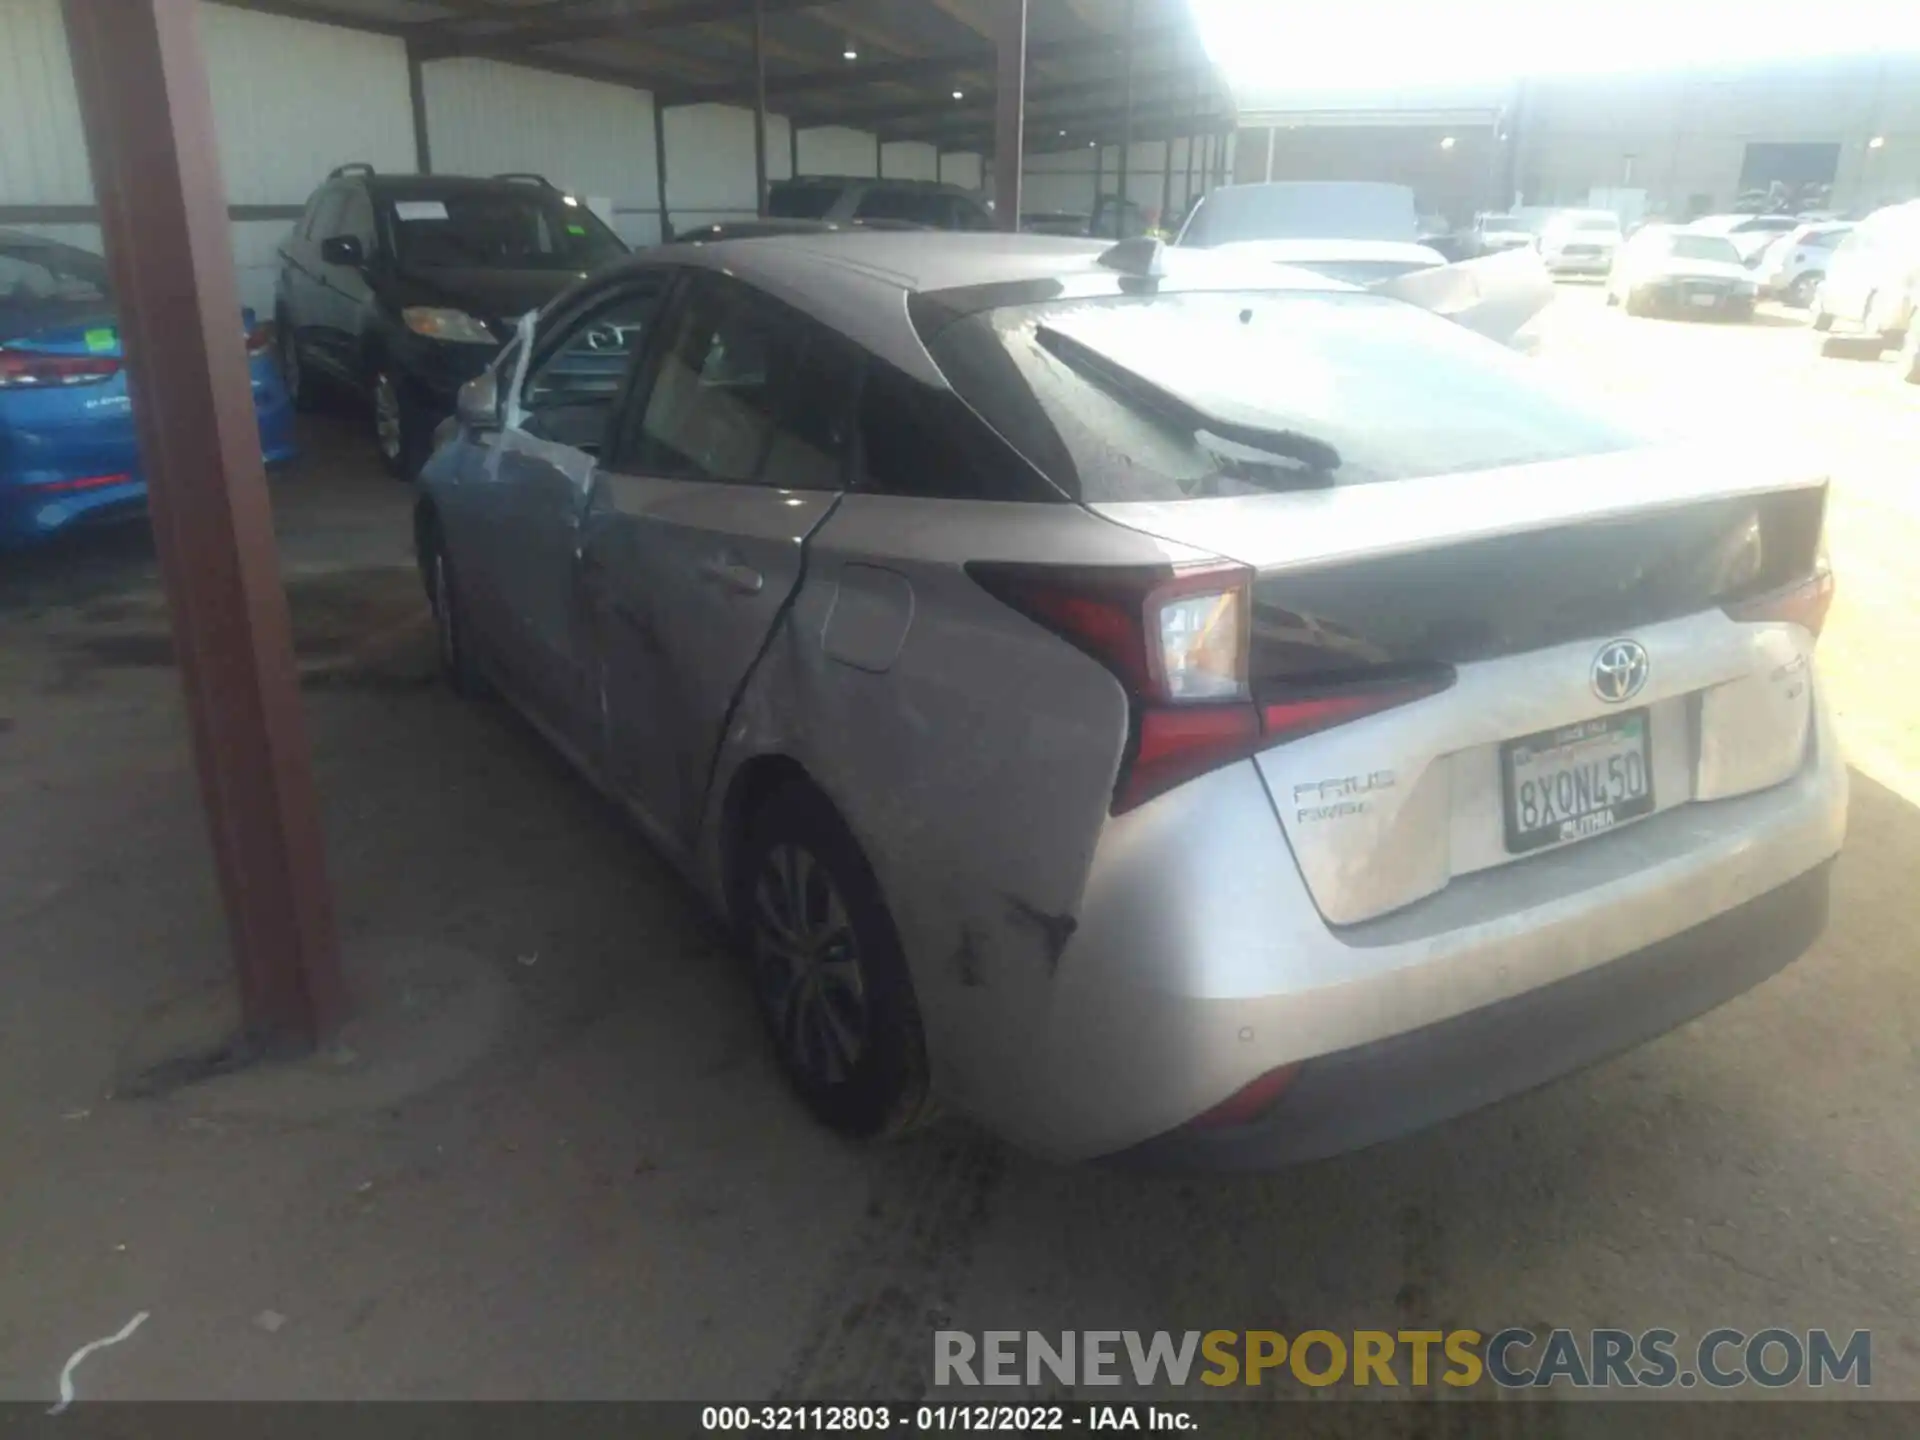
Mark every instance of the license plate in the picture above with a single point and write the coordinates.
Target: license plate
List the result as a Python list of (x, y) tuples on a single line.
[(1706, 300), (1576, 781)]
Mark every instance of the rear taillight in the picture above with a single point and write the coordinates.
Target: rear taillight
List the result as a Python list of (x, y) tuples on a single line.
[(260, 339), (1178, 640), (31, 370), (1805, 602)]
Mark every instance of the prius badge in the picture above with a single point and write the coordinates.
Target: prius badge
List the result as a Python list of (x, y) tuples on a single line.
[(1620, 671)]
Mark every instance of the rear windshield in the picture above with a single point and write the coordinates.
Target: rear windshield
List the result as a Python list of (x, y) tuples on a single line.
[(1114, 398), (43, 282), (512, 227), (1304, 210), (801, 202), (1703, 247)]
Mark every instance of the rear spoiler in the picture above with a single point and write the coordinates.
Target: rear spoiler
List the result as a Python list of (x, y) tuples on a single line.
[(1495, 295)]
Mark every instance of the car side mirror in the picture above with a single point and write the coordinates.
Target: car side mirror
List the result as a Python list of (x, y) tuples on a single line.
[(343, 250), (479, 403)]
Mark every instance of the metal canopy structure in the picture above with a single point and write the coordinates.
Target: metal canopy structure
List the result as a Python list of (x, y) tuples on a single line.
[(924, 70), (952, 73)]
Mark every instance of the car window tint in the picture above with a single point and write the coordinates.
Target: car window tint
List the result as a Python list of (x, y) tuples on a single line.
[(356, 218), (326, 216), (36, 276), (571, 388), (749, 392), (1395, 391), (916, 206), (801, 202), (922, 440)]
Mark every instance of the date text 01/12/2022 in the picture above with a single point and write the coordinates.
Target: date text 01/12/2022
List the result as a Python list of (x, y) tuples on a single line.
[(941, 1419)]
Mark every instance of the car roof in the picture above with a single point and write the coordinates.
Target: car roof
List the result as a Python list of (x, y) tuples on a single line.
[(428, 186), (858, 281)]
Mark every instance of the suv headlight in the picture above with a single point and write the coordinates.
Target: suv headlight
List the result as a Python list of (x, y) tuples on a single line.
[(454, 325)]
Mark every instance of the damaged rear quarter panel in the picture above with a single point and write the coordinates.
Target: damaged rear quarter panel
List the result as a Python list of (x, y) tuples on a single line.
[(976, 770)]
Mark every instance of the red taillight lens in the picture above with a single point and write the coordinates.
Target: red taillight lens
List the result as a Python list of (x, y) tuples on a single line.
[(260, 339), (1179, 642), (30, 370), (1249, 1102), (1804, 603), (1175, 743)]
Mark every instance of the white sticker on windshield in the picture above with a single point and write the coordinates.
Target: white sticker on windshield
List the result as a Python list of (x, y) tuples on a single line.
[(420, 209)]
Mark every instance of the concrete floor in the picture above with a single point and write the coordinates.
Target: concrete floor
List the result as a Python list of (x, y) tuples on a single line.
[(590, 1183)]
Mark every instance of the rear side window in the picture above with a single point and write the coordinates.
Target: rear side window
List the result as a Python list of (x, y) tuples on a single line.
[(801, 202), (749, 392), (325, 222), (922, 441), (1193, 395), (917, 207)]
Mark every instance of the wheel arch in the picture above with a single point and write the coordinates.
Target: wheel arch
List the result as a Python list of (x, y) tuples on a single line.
[(756, 780)]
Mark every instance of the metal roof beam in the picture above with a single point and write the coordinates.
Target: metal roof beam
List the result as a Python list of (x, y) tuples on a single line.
[(931, 67)]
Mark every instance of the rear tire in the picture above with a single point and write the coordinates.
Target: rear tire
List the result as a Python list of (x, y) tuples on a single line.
[(293, 371), (456, 660), (827, 970), (1800, 293)]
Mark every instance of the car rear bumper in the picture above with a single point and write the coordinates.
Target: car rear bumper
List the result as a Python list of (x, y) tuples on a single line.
[(1579, 264), (1201, 964), (1391, 1087)]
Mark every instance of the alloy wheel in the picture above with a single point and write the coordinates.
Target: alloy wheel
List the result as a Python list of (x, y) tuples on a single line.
[(807, 963), (386, 416)]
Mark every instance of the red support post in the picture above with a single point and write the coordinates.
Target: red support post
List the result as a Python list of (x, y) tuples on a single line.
[(142, 82)]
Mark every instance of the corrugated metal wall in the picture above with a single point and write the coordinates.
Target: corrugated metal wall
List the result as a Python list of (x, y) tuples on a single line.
[(910, 160), (43, 158), (1064, 181), (484, 117), (293, 99), (835, 150)]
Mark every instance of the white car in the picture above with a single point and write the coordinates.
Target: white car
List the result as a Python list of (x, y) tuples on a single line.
[(1580, 242), (1873, 284), (1664, 270), (1750, 234), (1793, 265), (1501, 232)]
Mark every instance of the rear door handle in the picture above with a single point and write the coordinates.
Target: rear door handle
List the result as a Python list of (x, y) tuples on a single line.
[(737, 577)]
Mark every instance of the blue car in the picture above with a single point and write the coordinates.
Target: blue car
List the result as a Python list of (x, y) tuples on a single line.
[(68, 453)]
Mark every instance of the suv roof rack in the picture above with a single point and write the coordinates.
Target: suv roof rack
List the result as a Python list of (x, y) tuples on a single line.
[(352, 167), (526, 177)]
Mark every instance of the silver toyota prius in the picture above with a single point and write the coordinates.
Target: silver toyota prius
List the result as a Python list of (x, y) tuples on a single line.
[(1154, 703)]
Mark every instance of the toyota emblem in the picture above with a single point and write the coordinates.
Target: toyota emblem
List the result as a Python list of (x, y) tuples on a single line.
[(1620, 671)]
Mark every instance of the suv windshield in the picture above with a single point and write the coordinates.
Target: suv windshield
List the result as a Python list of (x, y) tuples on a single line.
[(508, 227), (1304, 210), (1315, 388), (801, 202)]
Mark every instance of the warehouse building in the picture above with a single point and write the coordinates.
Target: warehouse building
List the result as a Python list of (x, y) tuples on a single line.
[(1814, 133)]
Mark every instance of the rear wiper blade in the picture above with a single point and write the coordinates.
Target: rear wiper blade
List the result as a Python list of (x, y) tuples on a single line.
[(1314, 453)]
